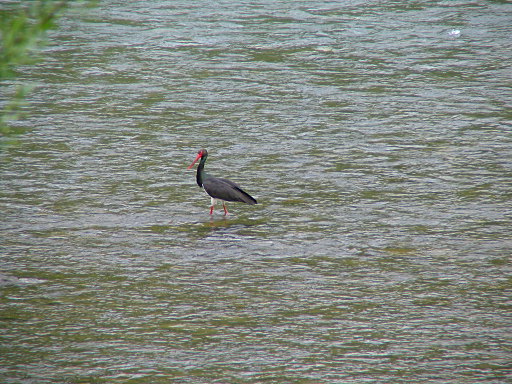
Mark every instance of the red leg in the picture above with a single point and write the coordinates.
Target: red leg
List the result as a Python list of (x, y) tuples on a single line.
[(225, 209), (212, 206)]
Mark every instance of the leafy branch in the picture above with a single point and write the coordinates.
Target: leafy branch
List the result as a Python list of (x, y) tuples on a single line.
[(23, 27)]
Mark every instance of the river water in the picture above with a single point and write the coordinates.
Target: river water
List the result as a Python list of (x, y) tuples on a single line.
[(377, 138)]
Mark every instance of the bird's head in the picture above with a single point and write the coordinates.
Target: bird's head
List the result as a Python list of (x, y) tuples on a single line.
[(202, 153)]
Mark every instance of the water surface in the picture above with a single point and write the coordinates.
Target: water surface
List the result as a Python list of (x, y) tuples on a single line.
[(377, 139)]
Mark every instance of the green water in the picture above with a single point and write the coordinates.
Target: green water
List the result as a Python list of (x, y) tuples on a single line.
[(377, 142)]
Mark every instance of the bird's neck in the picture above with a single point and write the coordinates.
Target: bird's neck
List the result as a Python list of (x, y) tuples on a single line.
[(201, 174)]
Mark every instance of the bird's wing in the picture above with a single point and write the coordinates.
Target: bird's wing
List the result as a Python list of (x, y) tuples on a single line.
[(227, 190)]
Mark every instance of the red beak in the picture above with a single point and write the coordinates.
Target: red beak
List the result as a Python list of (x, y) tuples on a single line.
[(199, 155)]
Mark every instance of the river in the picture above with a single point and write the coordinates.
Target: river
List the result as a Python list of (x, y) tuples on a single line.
[(376, 137)]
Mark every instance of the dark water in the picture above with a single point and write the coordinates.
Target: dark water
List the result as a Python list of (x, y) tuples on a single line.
[(375, 135)]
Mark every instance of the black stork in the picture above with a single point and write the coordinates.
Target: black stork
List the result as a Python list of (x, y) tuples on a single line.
[(218, 188)]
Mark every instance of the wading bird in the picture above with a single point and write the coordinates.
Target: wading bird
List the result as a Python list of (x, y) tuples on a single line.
[(217, 188)]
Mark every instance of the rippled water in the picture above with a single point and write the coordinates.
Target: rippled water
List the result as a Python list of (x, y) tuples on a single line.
[(375, 135)]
